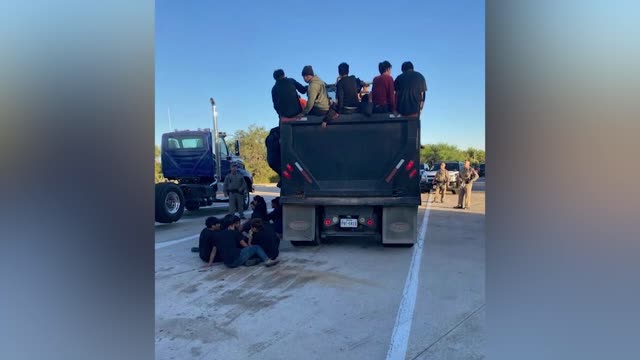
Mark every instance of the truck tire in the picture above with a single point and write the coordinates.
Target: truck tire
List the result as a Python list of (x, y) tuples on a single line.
[(247, 196), (246, 201), (169, 203)]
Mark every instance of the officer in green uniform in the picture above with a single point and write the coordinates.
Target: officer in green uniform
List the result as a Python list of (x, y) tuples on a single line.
[(466, 178), (440, 183)]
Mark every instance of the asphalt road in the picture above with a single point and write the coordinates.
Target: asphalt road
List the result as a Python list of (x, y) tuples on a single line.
[(340, 300)]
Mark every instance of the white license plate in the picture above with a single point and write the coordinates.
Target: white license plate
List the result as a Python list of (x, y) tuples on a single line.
[(349, 223)]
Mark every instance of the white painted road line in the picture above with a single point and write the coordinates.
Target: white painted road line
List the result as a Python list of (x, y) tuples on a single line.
[(402, 327), (173, 242)]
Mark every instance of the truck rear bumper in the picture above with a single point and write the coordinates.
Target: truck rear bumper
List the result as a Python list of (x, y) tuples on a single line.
[(351, 201)]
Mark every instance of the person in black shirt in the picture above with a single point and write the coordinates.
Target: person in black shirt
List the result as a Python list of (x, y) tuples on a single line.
[(284, 94), (234, 251), (207, 241), (259, 206), (411, 88), (262, 234), (347, 90), (275, 216)]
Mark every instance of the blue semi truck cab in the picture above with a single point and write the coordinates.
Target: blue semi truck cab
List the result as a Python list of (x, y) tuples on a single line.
[(189, 162)]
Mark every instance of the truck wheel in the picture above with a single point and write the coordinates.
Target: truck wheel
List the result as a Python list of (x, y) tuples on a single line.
[(192, 206), (169, 203), (247, 196)]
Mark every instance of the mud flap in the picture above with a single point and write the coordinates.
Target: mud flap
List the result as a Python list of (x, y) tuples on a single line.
[(299, 223), (399, 224)]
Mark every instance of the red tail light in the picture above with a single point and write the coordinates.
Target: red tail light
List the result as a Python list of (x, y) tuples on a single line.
[(289, 167), (370, 222), (413, 173), (286, 174), (327, 222), (410, 165)]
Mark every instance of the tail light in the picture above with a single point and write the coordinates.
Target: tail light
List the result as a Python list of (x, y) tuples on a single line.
[(409, 165), (327, 222), (370, 222), (289, 167), (413, 173), (286, 174)]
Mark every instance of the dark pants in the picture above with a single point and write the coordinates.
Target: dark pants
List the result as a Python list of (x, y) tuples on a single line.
[(272, 143), (247, 253), (317, 112), (381, 109)]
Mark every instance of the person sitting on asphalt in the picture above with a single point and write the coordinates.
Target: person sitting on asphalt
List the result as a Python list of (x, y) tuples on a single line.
[(411, 89), (234, 251), (347, 89), (275, 216), (318, 100), (259, 207), (262, 234), (207, 241), (284, 95), (383, 94), (211, 224)]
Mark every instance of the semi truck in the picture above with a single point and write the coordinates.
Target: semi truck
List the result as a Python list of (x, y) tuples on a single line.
[(357, 177), (195, 162)]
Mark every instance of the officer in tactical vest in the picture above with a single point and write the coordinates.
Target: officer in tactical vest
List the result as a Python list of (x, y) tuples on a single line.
[(466, 178), (440, 183)]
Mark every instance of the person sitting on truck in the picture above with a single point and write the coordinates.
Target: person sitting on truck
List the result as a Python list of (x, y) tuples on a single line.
[(207, 241), (234, 251), (235, 189), (261, 233), (383, 94), (318, 100), (347, 90), (275, 216), (284, 95), (411, 88)]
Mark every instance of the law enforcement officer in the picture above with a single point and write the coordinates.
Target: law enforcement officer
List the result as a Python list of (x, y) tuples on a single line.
[(466, 178), (235, 189), (440, 183)]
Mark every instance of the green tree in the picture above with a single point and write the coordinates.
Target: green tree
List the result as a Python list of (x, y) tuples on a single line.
[(431, 153), (254, 152)]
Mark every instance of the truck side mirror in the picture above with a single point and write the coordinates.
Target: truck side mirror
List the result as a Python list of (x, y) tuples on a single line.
[(237, 148)]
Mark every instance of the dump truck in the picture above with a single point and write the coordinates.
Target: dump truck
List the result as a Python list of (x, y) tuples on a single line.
[(357, 177), (196, 163)]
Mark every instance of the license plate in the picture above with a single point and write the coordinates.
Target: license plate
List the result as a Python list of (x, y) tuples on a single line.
[(349, 223)]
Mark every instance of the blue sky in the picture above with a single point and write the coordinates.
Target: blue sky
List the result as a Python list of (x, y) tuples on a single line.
[(228, 50)]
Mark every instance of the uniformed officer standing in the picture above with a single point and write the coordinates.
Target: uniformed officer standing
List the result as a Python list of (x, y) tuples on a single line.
[(441, 182), (235, 188), (466, 178)]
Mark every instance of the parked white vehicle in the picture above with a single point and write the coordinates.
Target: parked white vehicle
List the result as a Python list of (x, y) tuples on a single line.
[(426, 180)]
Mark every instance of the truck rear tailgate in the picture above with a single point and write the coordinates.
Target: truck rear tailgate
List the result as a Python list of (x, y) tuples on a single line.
[(356, 156)]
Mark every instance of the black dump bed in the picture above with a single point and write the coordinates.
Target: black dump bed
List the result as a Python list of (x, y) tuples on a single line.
[(356, 160)]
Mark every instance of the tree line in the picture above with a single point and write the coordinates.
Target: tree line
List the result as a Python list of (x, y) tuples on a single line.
[(254, 154)]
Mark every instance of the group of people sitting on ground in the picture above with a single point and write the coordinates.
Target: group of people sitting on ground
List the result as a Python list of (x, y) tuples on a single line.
[(235, 243), (404, 96)]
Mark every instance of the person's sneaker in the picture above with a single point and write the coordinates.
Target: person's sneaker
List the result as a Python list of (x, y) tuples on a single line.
[(252, 262), (270, 262), (195, 249)]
